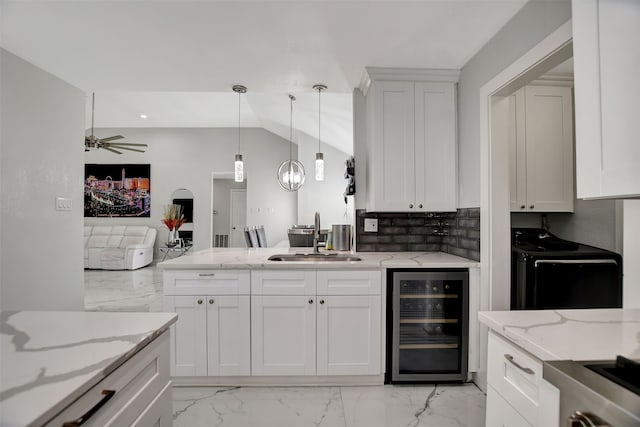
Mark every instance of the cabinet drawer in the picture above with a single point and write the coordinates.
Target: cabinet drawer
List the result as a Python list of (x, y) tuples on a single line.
[(515, 375), (159, 412), (500, 413), (283, 282), (136, 384), (331, 282), (207, 282)]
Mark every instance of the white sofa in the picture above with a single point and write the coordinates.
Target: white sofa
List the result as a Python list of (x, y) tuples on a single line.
[(118, 247)]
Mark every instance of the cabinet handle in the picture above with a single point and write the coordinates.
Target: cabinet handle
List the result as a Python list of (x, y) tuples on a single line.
[(310, 301), (211, 301), (420, 206), (108, 394), (199, 301), (206, 274), (580, 419), (321, 301), (514, 363), (522, 206), (531, 207), (411, 206)]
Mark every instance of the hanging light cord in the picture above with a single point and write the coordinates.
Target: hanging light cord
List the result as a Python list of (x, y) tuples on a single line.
[(291, 98), (319, 91), (239, 122)]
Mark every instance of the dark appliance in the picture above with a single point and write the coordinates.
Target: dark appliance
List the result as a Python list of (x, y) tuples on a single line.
[(601, 393), (427, 325), (551, 273)]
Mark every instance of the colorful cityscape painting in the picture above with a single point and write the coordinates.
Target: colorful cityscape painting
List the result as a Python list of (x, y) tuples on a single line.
[(117, 190)]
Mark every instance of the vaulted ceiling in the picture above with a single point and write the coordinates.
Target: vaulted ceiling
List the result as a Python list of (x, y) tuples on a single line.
[(176, 61)]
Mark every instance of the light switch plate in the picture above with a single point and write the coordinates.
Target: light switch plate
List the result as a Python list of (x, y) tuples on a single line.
[(371, 225), (63, 204)]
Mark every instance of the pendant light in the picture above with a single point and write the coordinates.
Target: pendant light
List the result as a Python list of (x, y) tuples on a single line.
[(291, 172), (239, 164), (319, 155)]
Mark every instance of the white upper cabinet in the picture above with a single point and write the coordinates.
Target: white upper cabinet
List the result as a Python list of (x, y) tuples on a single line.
[(411, 141), (541, 149), (607, 92)]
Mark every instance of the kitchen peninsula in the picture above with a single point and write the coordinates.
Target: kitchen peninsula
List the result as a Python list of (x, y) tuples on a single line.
[(59, 366), (245, 319)]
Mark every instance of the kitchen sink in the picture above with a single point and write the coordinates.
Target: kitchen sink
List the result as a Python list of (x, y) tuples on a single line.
[(313, 257)]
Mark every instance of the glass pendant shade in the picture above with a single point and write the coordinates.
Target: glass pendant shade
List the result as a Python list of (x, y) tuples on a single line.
[(291, 175), (319, 167), (239, 168)]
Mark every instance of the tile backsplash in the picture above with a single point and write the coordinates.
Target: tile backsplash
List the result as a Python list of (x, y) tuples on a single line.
[(457, 233)]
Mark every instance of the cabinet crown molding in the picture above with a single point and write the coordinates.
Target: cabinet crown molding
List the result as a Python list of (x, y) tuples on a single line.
[(409, 74)]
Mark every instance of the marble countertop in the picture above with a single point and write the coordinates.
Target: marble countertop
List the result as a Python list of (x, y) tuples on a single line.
[(50, 358), (594, 334), (232, 258)]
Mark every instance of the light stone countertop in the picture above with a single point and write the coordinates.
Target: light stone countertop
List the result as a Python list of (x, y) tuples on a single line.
[(50, 358), (232, 258), (593, 334)]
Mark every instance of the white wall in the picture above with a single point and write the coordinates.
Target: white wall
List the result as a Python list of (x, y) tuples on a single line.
[(187, 157), (529, 26), (41, 137), (325, 197)]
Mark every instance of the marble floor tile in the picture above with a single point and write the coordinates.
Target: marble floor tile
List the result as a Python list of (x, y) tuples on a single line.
[(371, 406), (123, 290)]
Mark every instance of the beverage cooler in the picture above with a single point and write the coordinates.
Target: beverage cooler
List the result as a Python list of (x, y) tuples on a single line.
[(427, 325)]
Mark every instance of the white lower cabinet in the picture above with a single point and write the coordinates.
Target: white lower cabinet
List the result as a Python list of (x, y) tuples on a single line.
[(212, 335), (517, 395), (283, 327), (348, 335), (283, 335)]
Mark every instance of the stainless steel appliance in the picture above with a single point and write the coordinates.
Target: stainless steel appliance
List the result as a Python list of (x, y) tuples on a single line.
[(604, 393), (551, 273), (341, 237), (302, 236), (428, 325)]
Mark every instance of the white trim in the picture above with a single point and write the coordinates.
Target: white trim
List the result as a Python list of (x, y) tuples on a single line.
[(494, 196)]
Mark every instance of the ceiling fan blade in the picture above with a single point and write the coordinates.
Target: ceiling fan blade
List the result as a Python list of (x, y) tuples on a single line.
[(112, 150), (126, 143), (125, 148), (111, 138)]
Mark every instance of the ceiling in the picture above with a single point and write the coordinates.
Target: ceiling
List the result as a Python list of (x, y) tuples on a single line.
[(176, 61)]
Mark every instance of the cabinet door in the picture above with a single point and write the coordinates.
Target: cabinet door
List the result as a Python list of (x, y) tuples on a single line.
[(606, 60), (228, 335), (283, 335), (349, 335), (515, 125), (392, 173), (500, 413), (435, 147), (549, 148), (188, 335)]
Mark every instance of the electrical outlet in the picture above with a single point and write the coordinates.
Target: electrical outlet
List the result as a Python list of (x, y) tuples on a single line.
[(371, 225), (63, 204)]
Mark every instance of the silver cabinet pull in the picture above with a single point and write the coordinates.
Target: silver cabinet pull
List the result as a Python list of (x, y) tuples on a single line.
[(420, 205), (199, 301), (206, 274), (108, 394), (585, 419), (310, 301), (411, 206), (211, 301), (522, 206), (514, 363), (321, 301), (531, 207)]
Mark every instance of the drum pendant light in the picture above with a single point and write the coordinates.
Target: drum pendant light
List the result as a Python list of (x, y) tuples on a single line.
[(239, 164), (291, 172), (319, 155)]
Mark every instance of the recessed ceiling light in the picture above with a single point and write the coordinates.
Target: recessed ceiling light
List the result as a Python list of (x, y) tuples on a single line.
[(143, 116)]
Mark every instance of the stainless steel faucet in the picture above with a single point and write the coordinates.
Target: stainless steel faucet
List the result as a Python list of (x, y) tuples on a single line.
[(316, 234)]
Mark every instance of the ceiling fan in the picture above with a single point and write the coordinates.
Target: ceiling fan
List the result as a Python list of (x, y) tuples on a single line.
[(106, 143)]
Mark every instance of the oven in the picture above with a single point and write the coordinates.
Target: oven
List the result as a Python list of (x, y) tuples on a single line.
[(596, 394), (551, 273)]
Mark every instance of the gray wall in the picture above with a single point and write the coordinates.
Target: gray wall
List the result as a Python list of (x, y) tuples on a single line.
[(535, 21), (187, 157), (41, 136)]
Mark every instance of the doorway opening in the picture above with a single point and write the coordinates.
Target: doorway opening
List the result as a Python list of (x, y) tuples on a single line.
[(228, 211)]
